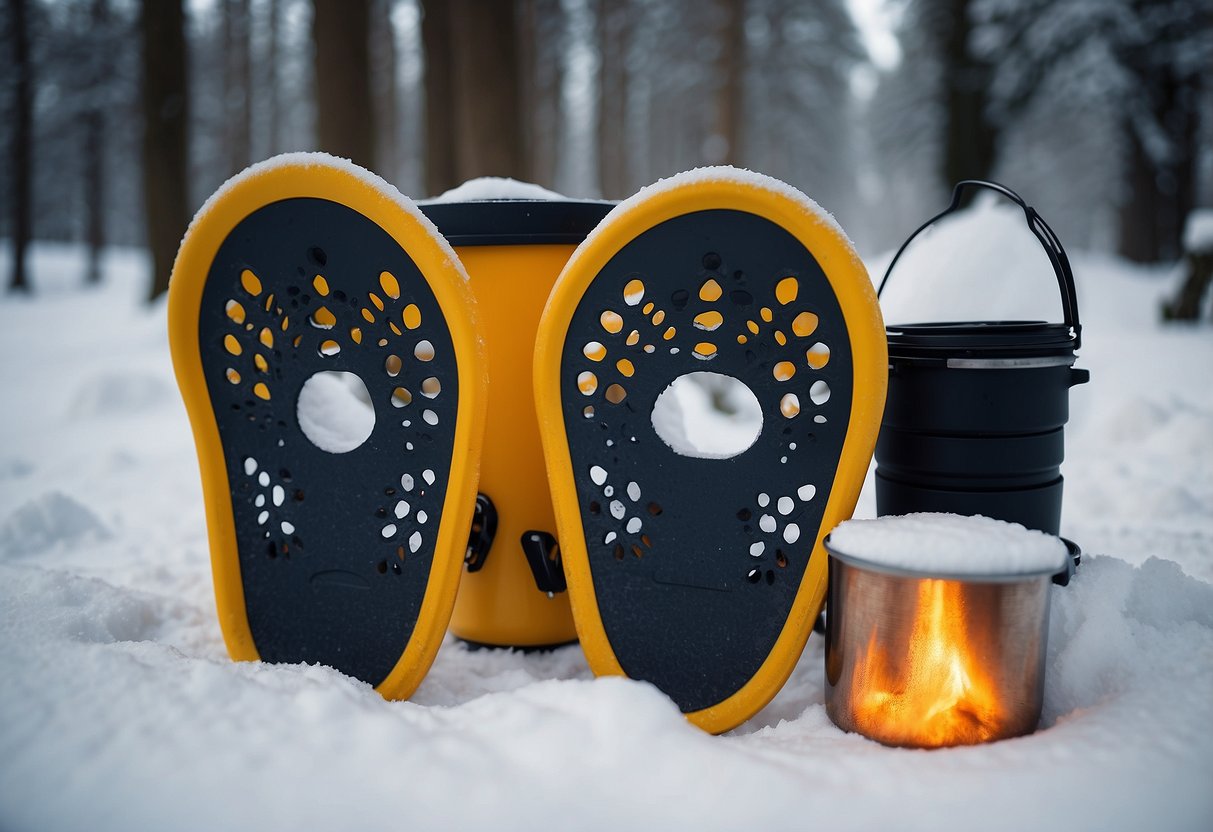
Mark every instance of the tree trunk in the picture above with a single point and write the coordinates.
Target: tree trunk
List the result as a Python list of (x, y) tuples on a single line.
[(237, 85), (1138, 239), (1198, 276), (1162, 191), (165, 116), (541, 45), (528, 69), (383, 41), (1184, 121), (22, 157), (94, 153), (345, 115), (273, 98), (613, 33), (730, 79), (969, 137), (436, 40), (487, 86)]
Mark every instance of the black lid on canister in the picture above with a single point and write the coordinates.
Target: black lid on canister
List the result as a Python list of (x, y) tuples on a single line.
[(980, 340), (516, 222)]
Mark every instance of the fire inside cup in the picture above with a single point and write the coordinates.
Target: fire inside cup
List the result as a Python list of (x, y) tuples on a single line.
[(949, 653)]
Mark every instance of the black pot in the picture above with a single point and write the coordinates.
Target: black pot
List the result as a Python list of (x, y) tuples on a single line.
[(976, 410)]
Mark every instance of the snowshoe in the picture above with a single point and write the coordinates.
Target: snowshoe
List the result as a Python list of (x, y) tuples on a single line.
[(700, 574), (323, 338)]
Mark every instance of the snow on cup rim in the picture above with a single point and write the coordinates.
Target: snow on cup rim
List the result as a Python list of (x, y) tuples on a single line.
[(949, 547)]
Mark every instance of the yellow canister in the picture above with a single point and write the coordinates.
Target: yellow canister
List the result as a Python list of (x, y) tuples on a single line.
[(513, 251)]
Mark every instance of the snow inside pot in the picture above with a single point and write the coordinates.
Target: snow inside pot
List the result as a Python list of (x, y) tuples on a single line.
[(513, 238), (976, 410), (938, 627)]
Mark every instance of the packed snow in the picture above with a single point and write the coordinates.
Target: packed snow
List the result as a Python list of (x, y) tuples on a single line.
[(707, 416), (497, 187), (1198, 231), (335, 412), (947, 544), (120, 710), (981, 265)]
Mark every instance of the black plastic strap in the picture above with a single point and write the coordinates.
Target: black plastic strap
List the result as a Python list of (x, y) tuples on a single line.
[(1042, 231), (543, 554), (484, 529)]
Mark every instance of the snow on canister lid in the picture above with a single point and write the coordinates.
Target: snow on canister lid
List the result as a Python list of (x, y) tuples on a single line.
[(497, 187), (948, 545), (494, 211)]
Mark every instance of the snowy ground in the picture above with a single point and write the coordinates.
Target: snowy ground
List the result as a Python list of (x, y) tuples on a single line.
[(120, 710)]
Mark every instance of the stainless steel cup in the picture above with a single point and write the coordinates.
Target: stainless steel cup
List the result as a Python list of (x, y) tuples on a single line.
[(926, 660)]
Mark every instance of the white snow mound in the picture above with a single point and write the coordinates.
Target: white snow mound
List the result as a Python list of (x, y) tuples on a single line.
[(1198, 232), (981, 264), (497, 187), (49, 521), (949, 544), (335, 412), (688, 418), (118, 393)]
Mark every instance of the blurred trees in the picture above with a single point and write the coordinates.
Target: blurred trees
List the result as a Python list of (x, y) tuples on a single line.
[(1097, 109), (95, 138), (930, 116), (764, 84), (165, 116), (345, 115), (18, 24), (474, 88), (271, 99), (614, 36), (798, 118), (384, 88), (81, 126), (1146, 61), (544, 44), (730, 80), (969, 135), (237, 83)]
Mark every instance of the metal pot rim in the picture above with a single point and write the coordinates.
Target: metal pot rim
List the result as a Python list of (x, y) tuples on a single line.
[(1072, 549)]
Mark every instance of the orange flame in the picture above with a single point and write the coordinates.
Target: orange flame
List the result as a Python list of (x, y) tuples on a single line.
[(942, 697)]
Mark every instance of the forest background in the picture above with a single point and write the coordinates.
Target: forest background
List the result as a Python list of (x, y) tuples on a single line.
[(119, 117)]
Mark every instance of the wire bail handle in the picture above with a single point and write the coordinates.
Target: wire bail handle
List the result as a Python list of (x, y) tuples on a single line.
[(1037, 225)]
